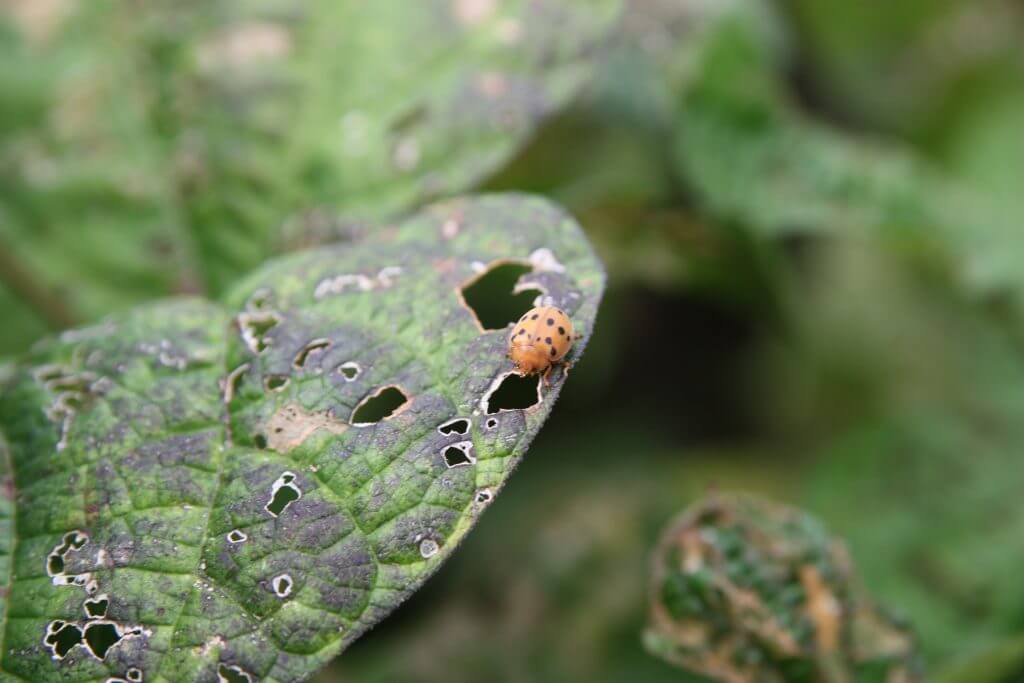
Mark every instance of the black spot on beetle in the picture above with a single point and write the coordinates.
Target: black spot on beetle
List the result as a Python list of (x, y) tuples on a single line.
[(522, 331), (534, 316), (552, 350), (547, 340), (551, 321), (561, 330)]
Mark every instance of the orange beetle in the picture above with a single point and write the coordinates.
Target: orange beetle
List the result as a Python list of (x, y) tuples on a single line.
[(540, 339)]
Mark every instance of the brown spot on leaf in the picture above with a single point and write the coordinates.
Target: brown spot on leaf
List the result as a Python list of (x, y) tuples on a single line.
[(292, 424)]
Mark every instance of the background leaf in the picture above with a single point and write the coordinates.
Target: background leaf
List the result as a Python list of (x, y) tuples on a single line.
[(753, 156), (747, 590), (171, 147), (912, 397)]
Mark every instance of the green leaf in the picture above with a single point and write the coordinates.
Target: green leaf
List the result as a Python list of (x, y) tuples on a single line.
[(912, 395), (365, 109), (171, 147), (902, 67), (748, 590), (753, 157), (209, 471), (87, 219)]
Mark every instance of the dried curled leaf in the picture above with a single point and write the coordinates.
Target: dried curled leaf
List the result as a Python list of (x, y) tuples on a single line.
[(745, 590), (214, 492)]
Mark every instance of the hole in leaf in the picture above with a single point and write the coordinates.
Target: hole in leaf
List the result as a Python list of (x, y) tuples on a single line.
[(254, 328), (459, 425), (489, 296), (276, 382), (516, 392), (491, 423), (282, 585), (313, 347), (63, 637), (284, 497), (100, 637), (237, 536), (70, 402), (96, 608), (349, 370), (459, 454), (232, 674), (382, 404), (282, 494), (76, 540), (428, 548), (260, 440), (484, 496), (259, 299), (134, 675), (73, 540), (453, 457)]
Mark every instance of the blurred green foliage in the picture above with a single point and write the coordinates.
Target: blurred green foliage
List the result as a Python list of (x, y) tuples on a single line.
[(811, 213), (167, 147)]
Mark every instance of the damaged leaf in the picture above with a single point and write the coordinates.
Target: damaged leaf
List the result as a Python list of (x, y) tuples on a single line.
[(195, 498), (360, 110), (747, 591)]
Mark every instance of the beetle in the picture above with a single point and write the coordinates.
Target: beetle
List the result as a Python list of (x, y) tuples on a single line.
[(540, 339)]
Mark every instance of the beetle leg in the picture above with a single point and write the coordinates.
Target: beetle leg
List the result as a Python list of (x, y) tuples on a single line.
[(566, 367)]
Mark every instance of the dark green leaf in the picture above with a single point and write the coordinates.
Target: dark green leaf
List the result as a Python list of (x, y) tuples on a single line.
[(199, 467)]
